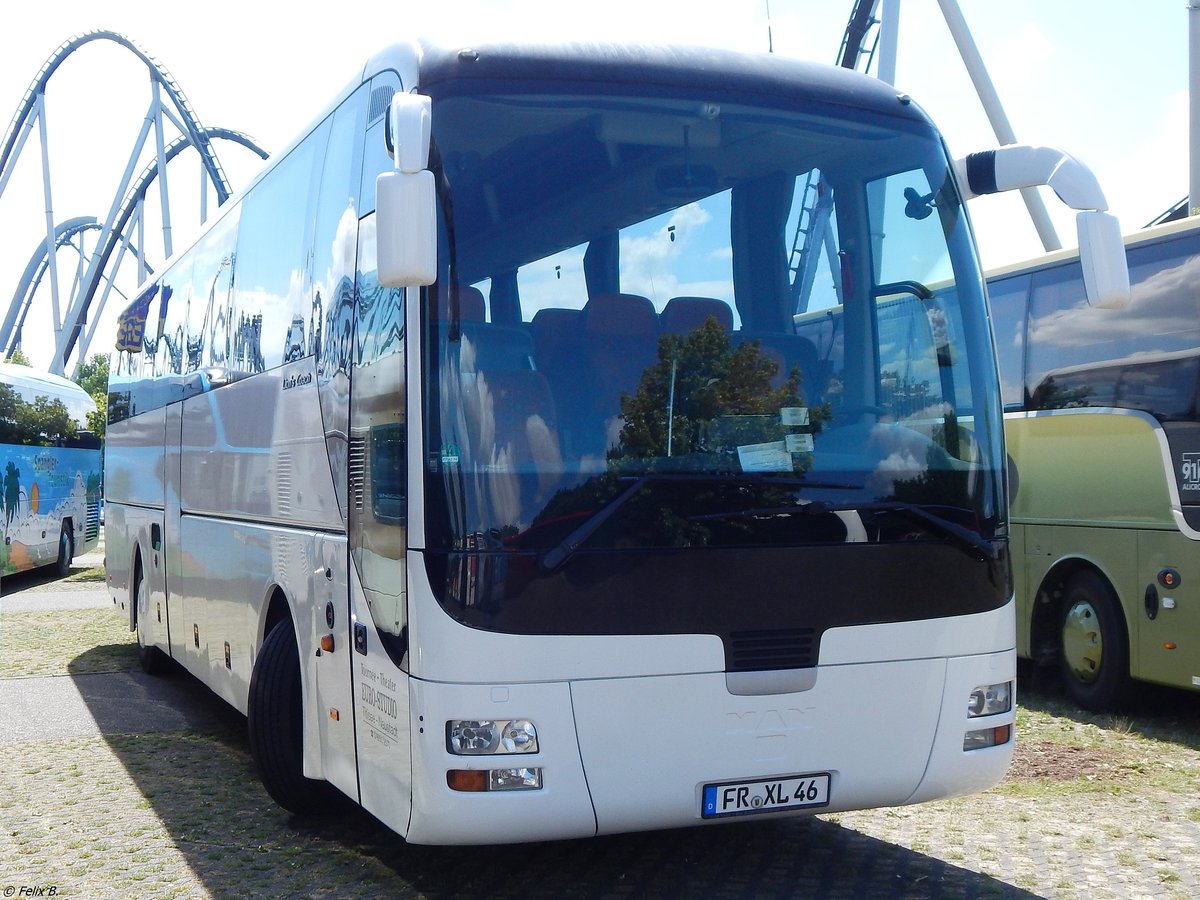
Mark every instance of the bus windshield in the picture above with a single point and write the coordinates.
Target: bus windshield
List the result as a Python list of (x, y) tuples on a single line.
[(697, 321)]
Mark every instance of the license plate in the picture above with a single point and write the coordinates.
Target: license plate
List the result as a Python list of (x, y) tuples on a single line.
[(763, 795)]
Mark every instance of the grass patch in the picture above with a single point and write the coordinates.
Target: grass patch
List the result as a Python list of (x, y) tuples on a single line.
[(94, 574), (62, 642), (1063, 751)]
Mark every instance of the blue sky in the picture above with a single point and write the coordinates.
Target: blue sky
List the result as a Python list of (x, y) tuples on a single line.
[(1100, 79)]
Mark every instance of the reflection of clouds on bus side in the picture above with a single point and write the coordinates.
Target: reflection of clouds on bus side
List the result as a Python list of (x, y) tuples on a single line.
[(345, 243), (339, 268), (1010, 390), (1011, 345), (276, 311), (1163, 304), (366, 242)]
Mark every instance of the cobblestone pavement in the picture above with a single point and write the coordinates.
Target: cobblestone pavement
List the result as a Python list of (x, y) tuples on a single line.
[(148, 790)]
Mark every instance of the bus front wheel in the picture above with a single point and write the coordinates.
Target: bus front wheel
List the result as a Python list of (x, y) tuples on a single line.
[(1093, 649), (275, 717), (152, 660)]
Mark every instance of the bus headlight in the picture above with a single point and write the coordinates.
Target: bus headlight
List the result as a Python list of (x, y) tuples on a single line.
[(481, 737), (990, 700)]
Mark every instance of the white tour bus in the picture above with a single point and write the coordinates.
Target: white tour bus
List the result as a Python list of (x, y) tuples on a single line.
[(473, 452)]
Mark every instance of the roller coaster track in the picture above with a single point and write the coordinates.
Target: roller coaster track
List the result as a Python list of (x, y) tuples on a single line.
[(125, 212)]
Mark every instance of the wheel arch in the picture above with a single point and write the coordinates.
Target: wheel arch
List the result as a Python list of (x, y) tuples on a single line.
[(137, 568), (276, 608), (1047, 608)]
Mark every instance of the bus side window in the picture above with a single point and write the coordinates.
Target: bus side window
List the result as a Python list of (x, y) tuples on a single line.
[(1007, 298), (388, 483), (376, 158)]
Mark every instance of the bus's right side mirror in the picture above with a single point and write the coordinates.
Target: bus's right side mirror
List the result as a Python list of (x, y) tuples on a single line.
[(406, 200), (1102, 259)]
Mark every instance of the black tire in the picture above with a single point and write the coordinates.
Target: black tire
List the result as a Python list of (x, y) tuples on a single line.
[(66, 551), (1093, 644), (275, 716), (152, 660)]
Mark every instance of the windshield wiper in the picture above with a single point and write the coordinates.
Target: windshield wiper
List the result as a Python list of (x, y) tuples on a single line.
[(560, 552), (963, 537)]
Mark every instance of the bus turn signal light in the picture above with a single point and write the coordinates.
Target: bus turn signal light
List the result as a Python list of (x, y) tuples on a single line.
[(987, 737), (469, 780)]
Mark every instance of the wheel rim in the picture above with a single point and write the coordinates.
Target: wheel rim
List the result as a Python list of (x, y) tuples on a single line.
[(1082, 642)]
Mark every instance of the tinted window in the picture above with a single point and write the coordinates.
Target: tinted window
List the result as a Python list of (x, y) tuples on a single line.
[(376, 158), (271, 269), (1138, 357), (1007, 298)]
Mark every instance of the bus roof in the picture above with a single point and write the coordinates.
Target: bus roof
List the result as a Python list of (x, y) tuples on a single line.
[(26, 377), (1133, 238), (32, 383), (681, 66)]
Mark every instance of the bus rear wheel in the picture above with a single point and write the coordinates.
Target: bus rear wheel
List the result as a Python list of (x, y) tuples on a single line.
[(1093, 648), (66, 551), (275, 716)]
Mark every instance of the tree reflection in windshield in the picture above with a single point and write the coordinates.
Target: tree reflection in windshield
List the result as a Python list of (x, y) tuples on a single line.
[(684, 433), (703, 399)]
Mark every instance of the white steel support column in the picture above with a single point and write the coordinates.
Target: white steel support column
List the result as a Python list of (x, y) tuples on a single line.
[(161, 155), (75, 313), (1193, 8), (995, 113), (889, 39), (51, 255)]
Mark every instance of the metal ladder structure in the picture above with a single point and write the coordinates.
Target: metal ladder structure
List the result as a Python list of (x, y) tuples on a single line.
[(867, 35), (175, 128)]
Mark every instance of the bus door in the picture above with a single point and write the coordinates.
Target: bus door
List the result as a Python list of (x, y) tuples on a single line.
[(326, 334), (377, 504), (379, 508), (1166, 608), (378, 596)]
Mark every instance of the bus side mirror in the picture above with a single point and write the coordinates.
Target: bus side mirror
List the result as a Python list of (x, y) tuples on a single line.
[(1102, 259), (406, 199), (1101, 248)]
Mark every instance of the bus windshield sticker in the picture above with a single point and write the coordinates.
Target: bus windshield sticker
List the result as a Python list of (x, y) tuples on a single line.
[(799, 443), (769, 457), (794, 415)]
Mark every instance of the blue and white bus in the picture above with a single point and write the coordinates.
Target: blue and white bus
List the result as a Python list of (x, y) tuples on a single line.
[(49, 471), (474, 454)]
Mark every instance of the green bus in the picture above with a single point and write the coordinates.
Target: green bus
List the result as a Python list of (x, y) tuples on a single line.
[(1102, 423)]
